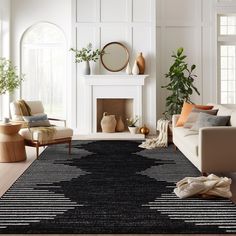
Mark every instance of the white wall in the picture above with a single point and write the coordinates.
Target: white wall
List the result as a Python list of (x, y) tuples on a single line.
[(132, 22)]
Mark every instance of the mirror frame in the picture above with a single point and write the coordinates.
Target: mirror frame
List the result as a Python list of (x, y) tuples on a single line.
[(103, 53)]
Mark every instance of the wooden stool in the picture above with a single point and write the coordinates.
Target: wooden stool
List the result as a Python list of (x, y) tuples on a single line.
[(12, 145)]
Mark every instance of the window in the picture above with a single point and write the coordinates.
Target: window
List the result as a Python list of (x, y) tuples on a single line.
[(227, 58), (43, 61)]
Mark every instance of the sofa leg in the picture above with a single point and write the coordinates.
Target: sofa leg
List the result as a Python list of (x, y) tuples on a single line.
[(37, 150)]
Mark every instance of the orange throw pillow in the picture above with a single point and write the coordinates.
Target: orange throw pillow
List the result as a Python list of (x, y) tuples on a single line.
[(186, 110)]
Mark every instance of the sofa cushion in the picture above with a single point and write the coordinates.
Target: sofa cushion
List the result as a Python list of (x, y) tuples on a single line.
[(233, 119), (222, 110), (186, 110), (193, 116), (207, 120), (189, 141)]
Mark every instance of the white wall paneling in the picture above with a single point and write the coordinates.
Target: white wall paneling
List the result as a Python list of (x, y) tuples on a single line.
[(188, 24), (131, 22)]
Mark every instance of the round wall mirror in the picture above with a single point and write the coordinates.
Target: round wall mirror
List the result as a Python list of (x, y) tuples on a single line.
[(115, 56)]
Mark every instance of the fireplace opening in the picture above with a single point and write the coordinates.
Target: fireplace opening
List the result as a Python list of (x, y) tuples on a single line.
[(119, 107)]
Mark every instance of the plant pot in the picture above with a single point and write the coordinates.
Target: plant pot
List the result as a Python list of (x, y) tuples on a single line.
[(133, 130), (85, 68)]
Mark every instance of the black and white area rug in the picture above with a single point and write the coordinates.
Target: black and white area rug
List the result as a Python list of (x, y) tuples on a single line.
[(110, 187)]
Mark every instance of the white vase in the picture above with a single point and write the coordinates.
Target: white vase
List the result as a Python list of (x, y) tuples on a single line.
[(135, 69), (85, 69), (128, 69), (133, 130)]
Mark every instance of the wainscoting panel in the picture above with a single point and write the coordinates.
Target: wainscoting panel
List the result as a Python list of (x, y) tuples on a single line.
[(87, 12), (114, 11), (141, 10)]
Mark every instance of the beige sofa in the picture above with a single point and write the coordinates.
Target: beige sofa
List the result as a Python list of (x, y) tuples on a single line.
[(214, 148)]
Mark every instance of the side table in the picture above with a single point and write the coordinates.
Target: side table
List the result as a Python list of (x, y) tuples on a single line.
[(12, 145)]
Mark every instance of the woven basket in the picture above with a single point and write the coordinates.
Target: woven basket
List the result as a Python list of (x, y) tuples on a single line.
[(108, 123)]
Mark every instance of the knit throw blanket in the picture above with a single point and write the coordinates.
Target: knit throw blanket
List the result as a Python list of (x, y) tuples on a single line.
[(24, 108), (47, 133), (211, 185), (161, 140)]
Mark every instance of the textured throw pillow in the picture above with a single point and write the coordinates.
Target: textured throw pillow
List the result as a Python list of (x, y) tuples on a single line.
[(207, 120), (37, 121), (186, 110), (192, 118)]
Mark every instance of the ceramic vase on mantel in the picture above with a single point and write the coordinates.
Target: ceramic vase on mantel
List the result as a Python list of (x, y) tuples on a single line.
[(128, 69), (141, 63), (85, 68), (135, 69)]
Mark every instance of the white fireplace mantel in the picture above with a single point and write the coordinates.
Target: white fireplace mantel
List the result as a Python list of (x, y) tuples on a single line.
[(116, 79), (112, 87)]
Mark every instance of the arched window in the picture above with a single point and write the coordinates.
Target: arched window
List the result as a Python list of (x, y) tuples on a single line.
[(43, 61)]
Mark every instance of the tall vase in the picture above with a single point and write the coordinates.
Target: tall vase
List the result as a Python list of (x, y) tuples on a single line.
[(85, 70), (141, 63), (135, 69)]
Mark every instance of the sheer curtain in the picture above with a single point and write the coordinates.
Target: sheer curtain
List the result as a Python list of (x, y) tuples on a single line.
[(43, 61)]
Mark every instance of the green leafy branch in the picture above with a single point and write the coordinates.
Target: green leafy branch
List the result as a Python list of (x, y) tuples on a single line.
[(9, 79), (86, 54)]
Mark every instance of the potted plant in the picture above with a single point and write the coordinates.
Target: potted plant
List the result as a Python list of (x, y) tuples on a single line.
[(86, 55), (181, 85), (9, 79), (131, 122)]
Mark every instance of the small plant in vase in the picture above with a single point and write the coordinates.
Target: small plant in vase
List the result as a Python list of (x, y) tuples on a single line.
[(86, 55), (131, 122)]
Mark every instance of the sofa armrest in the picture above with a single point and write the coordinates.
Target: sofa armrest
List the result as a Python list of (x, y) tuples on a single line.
[(175, 119), (217, 149)]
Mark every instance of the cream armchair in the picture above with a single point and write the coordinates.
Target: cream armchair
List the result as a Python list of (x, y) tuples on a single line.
[(36, 137)]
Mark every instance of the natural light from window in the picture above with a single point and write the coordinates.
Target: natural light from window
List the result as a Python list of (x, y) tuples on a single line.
[(227, 60), (43, 61)]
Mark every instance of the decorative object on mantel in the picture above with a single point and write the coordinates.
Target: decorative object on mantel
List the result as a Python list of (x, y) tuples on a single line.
[(128, 69), (9, 80), (120, 125), (144, 130), (161, 140), (86, 55), (135, 69), (181, 84), (108, 123), (131, 122), (115, 56), (141, 63)]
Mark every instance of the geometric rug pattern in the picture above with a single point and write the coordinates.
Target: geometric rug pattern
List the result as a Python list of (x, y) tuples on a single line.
[(110, 187)]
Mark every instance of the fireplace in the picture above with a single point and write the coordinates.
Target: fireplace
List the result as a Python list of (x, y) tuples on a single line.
[(117, 94)]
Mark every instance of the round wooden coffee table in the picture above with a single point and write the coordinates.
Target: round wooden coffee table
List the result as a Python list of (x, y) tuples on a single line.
[(12, 145)]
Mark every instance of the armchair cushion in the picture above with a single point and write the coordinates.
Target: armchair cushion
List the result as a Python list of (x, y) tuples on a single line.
[(35, 106), (41, 137), (37, 120)]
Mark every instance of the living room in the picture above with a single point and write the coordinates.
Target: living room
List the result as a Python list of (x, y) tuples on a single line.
[(117, 116)]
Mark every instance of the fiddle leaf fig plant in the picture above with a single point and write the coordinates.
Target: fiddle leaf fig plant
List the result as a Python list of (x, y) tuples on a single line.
[(181, 84), (9, 79)]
